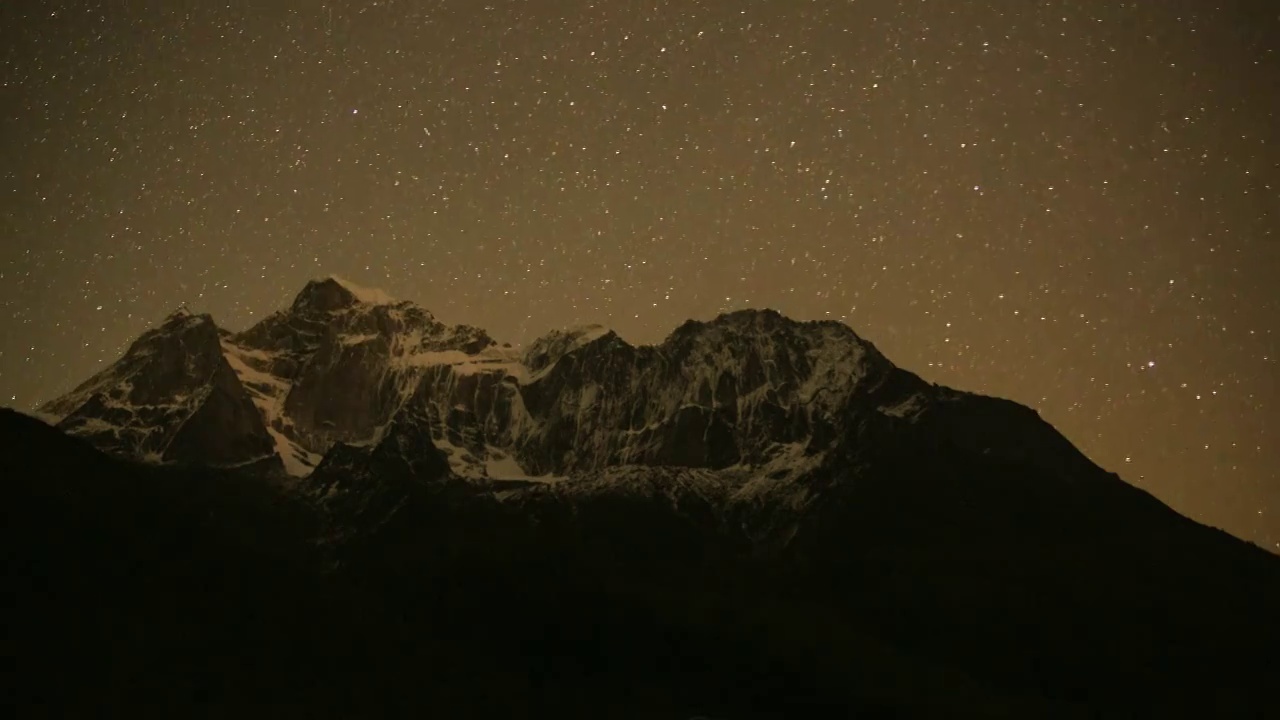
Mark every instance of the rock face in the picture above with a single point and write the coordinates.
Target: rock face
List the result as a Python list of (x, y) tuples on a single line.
[(341, 364), (334, 367), (173, 397)]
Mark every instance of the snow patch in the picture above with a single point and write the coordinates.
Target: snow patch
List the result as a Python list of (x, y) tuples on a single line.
[(585, 334), (368, 296), (297, 461), (44, 417), (501, 466), (350, 340), (461, 363), (461, 461), (907, 408), (96, 426), (268, 392)]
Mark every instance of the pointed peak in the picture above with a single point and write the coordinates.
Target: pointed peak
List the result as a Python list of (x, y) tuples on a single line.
[(368, 296), (768, 319), (558, 343), (585, 333), (735, 321), (332, 293), (762, 323), (183, 318), (573, 336), (751, 316)]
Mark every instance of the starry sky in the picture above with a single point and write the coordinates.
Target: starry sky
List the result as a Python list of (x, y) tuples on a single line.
[(1074, 204)]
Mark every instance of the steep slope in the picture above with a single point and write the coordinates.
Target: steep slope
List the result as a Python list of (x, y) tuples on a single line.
[(338, 364), (171, 397), (736, 390), (334, 367)]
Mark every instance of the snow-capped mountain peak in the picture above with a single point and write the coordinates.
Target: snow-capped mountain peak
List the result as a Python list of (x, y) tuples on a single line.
[(343, 363), (546, 350), (172, 396), (333, 293)]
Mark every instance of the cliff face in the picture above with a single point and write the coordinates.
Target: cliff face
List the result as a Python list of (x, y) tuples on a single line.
[(339, 365), (172, 396)]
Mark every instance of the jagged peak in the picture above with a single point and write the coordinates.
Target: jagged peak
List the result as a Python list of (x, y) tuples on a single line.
[(183, 319), (752, 315), (768, 318), (368, 296), (572, 336), (332, 293), (584, 333), (558, 343), (762, 319)]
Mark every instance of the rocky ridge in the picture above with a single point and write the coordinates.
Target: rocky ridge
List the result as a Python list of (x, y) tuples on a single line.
[(748, 391), (762, 421)]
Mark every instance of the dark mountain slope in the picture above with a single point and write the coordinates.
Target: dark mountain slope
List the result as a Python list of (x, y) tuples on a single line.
[(139, 586), (192, 591), (989, 554)]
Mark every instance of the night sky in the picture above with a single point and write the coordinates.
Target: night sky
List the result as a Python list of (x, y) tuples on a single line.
[(1072, 204)]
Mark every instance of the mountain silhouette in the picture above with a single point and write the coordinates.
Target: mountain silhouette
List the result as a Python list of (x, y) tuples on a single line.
[(354, 509)]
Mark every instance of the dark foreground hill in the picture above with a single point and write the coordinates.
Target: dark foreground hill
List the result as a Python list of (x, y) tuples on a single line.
[(944, 588)]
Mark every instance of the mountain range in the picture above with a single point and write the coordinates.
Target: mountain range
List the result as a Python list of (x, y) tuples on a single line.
[(352, 508)]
